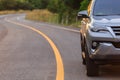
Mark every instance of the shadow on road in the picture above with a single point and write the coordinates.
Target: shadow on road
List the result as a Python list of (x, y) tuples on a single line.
[(110, 71)]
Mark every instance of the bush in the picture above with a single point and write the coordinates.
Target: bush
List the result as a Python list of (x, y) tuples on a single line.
[(84, 4), (14, 5), (43, 16)]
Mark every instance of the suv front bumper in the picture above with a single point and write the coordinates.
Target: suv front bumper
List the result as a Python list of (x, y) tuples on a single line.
[(106, 51)]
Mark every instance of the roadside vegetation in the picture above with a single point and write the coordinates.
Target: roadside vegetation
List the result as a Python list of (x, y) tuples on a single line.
[(13, 11), (42, 15), (53, 11)]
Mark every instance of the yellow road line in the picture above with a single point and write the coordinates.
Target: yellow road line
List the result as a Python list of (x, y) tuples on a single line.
[(60, 68)]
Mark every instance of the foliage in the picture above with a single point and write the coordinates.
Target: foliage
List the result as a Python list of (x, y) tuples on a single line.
[(74, 4), (43, 16), (53, 6), (66, 9), (84, 4), (14, 5), (38, 4)]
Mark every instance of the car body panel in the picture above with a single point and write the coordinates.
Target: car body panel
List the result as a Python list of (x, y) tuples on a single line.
[(106, 48)]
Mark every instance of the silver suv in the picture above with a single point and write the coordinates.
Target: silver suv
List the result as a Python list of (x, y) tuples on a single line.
[(100, 34)]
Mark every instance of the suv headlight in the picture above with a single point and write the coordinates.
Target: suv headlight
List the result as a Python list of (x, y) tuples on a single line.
[(99, 29)]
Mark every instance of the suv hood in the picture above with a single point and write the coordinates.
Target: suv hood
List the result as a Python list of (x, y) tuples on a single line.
[(107, 20)]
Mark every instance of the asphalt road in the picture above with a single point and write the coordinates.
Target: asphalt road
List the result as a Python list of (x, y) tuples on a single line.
[(39, 51)]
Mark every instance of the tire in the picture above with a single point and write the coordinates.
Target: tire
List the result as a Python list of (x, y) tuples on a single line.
[(91, 67), (83, 60), (83, 51)]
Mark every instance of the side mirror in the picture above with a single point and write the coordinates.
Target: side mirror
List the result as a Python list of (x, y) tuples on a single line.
[(83, 14)]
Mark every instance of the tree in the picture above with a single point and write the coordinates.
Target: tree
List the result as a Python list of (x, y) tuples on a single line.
[(15, 5), (74, 4), (23, 5), (67, 9), (38, 4), (53, 6), (84, 4), (8, 4)]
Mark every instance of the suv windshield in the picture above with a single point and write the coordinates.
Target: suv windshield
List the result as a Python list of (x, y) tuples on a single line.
[(106, 7)]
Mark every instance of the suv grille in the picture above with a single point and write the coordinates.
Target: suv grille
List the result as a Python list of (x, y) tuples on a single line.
[(116, 30)]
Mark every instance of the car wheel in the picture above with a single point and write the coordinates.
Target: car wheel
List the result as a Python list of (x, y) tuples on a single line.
[(83, 61), (91, 67), (83, 51)]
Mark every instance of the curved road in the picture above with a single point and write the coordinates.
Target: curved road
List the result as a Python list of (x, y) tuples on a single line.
[(39, 51)]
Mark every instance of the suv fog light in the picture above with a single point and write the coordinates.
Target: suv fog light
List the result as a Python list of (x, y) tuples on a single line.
[(95, 45)]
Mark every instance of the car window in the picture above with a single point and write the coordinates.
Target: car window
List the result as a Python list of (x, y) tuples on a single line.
[(106, 7)]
